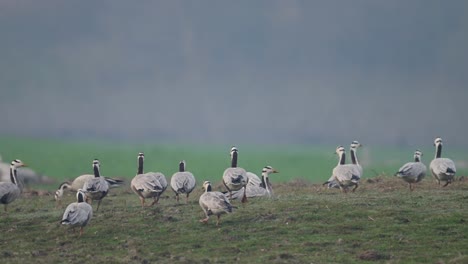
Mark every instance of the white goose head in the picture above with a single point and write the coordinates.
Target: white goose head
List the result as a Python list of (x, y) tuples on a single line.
[(96, 167), (417, 155), (80, 196), (182, 166), (207, 186), (234, 153), (140, 160), (355, 144), (17, 164), (268, 169), (437, 141)]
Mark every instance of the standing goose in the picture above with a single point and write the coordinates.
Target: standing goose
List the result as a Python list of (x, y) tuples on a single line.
[(78, 183), (442, 169), (78, 213), (354, 159), (10, 191), (257, 187), (346, 175), (413, 172), (213, 203), (97, 187), (148, 185), (235, 178), (182, 182)]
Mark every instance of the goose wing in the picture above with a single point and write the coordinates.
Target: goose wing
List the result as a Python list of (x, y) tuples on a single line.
[(443, 166), (183, 182), (8, 192)]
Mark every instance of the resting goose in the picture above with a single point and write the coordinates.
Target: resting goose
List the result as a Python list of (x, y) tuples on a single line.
[(97, 187), (148, 185), (10, 191), (257, 187), (443, 169), (235, 178), (182, 182), (213, 203), (413, 172), (347, 175), (78, 183), (78, 213)]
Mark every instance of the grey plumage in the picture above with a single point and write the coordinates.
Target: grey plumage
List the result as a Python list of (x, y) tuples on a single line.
[(183, 182), (235, 178), (78, 183), (97, 187), (443, 169), (257, 187), (354, 158), (213, 203), (148, 185), (346, 175), (78, 213), (332, 183), (10, 191), (413, 172)]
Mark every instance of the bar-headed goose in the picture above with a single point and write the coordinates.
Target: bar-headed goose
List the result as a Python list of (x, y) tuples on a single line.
[(78, 213), (413, 172), (354, 159), (183, 182), (97, 187), (443, 169), (235, 178), (347, 175), (78, 183), (148, 185), (10, 191), (213, 203), (256, 186)]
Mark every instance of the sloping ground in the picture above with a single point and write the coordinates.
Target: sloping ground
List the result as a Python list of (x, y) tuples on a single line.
[(382, 222)]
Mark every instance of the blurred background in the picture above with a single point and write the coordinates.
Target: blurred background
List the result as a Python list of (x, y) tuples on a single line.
[(267, 72), (387, 73)]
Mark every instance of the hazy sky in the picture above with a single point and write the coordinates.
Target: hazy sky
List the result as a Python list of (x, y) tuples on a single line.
[(228, 72)]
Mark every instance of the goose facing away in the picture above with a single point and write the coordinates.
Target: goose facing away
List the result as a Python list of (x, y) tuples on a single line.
[(78, 213), (354, 159), (347, 175), (78, 183), (413, 172), (257, 187), (183, 182), (97, 187), (10, 191), (148, 185), (213, 203), (443, 169), (235, 178)]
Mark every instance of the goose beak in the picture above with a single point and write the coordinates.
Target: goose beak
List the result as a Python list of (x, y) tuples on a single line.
[(275, 171)]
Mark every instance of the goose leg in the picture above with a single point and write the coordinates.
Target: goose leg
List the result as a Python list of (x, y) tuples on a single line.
[(229, 190), (447, 183), (355, 187), (204, 220), (217, 221), (98, 203), (244, 198), (186, 198)]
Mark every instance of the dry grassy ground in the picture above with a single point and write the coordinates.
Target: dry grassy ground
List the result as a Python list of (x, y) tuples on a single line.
[(382, 222)]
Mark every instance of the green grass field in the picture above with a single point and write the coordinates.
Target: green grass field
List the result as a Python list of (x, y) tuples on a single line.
[(64, 160), (382, 222)]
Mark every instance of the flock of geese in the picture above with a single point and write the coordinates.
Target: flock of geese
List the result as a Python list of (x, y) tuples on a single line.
[(239, 183)]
